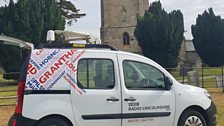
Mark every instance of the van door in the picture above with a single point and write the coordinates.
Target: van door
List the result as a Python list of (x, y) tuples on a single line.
[(146, 102), (20, 49), (97, 98)]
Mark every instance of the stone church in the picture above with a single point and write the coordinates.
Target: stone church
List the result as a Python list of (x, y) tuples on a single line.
[(118, 22)]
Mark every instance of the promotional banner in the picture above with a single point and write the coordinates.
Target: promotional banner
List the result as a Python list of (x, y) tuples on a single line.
[(48, 66)]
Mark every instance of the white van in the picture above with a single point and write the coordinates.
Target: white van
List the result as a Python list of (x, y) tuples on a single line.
[(96, 85)]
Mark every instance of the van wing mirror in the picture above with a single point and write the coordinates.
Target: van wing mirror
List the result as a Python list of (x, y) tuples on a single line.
[(169, 83)]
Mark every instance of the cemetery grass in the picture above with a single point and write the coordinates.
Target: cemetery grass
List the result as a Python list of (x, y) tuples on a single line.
[(219, 102)]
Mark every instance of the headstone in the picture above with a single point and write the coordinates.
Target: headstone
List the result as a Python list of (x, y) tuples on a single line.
[(219, 81), (193, 78), (184, 68)]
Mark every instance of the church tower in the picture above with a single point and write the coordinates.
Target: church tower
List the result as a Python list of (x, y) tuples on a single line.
[(118, 22)]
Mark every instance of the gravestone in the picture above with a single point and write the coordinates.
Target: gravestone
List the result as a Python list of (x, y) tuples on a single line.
[(219, 82), (185, 68), (193, 78)]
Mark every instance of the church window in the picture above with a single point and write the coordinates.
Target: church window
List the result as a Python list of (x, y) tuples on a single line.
[(126, 38)]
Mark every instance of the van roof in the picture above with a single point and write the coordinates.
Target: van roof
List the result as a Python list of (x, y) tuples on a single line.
[(73, 45), (89, 47)]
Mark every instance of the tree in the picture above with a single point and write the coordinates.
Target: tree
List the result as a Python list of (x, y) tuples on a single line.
[(69, 11), (208, 34), (29, 20), (160, 34)]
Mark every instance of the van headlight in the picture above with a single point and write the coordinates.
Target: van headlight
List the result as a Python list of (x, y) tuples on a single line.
[(207, 94)]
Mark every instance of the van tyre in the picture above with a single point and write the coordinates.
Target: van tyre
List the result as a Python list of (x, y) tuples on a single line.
[(53, 121), (192, 118)]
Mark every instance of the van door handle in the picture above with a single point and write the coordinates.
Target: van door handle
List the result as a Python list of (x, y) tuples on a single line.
[(130, 99), (112, 99)]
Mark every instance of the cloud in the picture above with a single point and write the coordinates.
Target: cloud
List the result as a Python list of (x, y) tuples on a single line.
[(2, 3)]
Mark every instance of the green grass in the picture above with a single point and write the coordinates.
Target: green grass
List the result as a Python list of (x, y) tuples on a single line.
[(7, 101), (209, 82), (217, 98), (208, 76), (7, 94), (2, 80), (11, 87), (211, 71), (206, 72), (6, 86)]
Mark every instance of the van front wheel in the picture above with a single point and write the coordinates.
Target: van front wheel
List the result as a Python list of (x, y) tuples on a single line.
[(53, 121), (192, 118)]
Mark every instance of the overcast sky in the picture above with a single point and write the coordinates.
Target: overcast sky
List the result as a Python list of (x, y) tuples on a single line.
[(190, 9)]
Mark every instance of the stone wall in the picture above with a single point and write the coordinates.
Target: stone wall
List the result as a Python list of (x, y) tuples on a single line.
[(189, 54), (118, 17)]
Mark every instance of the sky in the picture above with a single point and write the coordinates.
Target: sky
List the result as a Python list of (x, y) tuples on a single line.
[(190, 9), (92, 21)]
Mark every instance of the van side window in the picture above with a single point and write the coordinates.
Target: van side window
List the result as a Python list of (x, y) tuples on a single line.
[(95, 74), (142, 76)]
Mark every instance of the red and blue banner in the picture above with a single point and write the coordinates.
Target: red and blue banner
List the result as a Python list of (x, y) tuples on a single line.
[(48, 67)]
